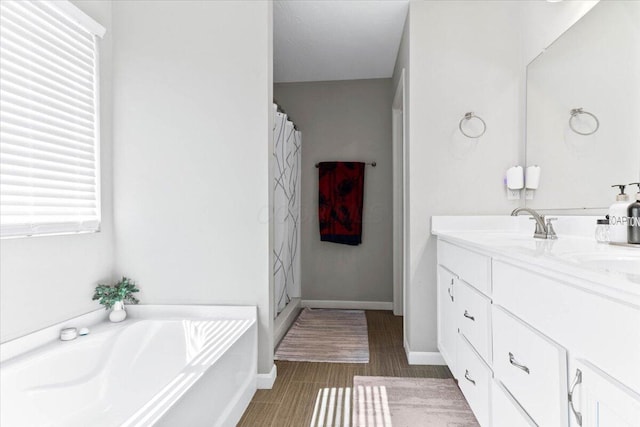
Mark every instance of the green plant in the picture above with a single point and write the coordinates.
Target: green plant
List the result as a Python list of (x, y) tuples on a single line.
[(123, 290)]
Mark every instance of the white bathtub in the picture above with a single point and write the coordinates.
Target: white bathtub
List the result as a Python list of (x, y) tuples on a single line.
[(164, 366)]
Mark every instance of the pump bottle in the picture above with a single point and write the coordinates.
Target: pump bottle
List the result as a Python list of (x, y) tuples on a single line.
[(633, 218), (618, 221)]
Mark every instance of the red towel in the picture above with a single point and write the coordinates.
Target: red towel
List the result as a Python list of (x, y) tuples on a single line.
[(341, 193)]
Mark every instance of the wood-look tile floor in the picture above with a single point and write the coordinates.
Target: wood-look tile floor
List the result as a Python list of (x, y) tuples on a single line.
[(290, 402)]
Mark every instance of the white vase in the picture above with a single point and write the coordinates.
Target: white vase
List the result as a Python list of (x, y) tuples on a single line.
[(118, 314)]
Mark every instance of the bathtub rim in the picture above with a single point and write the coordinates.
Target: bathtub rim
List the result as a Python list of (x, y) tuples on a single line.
[(34, 340)]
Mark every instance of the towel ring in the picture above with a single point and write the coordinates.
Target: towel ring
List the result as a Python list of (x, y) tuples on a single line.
[(576, 112), (469, 116)]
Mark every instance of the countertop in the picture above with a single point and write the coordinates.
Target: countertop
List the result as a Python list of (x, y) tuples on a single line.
[(605, 268)]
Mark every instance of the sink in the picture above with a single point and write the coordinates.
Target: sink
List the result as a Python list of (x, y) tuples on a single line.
[(500, 238), (626, 264)]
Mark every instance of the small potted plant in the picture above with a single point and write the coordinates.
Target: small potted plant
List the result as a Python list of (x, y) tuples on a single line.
[(115, 296)]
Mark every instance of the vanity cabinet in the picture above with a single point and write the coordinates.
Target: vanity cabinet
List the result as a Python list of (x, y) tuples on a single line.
[(534, 347)]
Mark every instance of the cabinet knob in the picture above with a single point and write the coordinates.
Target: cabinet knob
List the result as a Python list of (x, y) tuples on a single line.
[(468, 316)]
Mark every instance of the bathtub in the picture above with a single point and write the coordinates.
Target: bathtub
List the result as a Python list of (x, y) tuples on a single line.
[(162, 366)]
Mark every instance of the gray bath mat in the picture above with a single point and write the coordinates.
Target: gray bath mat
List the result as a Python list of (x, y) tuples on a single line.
[(319, 335), (407, 402)]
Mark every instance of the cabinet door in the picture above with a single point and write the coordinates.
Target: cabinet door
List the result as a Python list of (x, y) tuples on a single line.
[(447, 327), (598, 400)]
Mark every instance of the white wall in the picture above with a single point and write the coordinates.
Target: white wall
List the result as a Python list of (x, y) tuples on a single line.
[(192, 102), (48, 279), (464, 56), (345, 120)]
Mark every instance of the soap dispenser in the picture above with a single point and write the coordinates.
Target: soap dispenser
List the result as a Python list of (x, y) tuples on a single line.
[(633, 218), (618, 217)]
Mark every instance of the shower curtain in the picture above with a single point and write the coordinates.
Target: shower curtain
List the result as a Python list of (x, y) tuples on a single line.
[(286, 210)]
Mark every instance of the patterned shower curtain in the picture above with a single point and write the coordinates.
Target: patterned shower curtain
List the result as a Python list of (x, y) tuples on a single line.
[(286, 210)]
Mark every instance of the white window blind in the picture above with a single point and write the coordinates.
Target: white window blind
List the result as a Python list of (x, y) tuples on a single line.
[(49, 122)]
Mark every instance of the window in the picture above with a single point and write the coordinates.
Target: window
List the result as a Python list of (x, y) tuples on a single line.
[(49, 119)]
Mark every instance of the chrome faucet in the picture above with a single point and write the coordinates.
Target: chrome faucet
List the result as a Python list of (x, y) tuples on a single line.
[(543, 231)]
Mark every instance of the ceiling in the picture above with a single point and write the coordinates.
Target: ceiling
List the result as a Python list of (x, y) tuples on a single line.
[(319, 40)]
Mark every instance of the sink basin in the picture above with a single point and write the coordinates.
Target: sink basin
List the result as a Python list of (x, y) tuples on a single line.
[(627, 264), (501, 238)]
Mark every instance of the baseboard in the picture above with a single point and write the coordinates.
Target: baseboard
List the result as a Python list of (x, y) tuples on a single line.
[(266, 381), (423, 357), (348, 305)]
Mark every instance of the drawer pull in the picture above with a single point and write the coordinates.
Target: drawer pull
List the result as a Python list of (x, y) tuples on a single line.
[(577, 380), (514, 362), (468, 378), (468, 316), (449, 291)]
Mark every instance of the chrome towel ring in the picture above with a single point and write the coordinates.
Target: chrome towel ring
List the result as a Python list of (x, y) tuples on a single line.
[(576, 112), (469, 116)]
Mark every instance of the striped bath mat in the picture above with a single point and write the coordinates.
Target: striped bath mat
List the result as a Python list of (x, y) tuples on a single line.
[(319, 335), (400, 402), (393, 402)]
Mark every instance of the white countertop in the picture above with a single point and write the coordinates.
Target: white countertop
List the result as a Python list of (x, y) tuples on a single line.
[(609, 269)]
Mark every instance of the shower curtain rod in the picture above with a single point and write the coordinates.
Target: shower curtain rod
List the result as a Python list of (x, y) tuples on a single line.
[(373, 164)]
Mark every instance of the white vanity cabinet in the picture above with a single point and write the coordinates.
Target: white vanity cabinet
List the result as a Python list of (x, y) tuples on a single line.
[(531, 346)]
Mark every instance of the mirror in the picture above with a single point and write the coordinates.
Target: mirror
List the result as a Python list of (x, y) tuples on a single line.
[(583, 110)]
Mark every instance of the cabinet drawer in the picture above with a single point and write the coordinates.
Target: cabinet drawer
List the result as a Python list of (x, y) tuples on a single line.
[(474, 379), (474, 318), (470, 266), (505, 411), (587, 323), (532, 367)]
